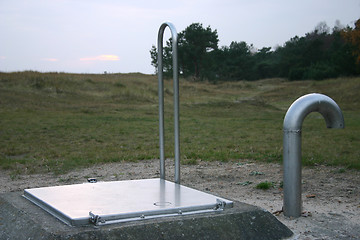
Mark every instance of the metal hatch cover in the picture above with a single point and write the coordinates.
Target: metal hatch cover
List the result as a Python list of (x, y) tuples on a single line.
[(122, 201)]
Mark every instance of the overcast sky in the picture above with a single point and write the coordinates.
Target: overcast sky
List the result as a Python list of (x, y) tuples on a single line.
[(93, 36)]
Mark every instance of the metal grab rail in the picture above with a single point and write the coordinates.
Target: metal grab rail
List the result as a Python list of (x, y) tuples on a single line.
[(292, 143), (161, 100)]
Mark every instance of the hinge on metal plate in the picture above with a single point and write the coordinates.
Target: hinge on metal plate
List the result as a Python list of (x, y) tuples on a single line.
[(220, 204), (95, 219)]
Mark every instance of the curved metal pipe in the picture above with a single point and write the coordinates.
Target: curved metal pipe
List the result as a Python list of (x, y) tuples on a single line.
[(292, 143), (161, 100)]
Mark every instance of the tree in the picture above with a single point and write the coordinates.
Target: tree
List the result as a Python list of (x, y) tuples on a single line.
[(239, 54), (265, 64), (352, 36), (167, 58), (317, 55), (338, 26), (195, 45), (322, 28)]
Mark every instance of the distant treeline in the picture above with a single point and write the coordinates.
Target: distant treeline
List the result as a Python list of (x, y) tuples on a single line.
[(320, 54)]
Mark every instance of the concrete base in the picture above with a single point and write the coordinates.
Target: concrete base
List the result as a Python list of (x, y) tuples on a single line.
[(20, 219)]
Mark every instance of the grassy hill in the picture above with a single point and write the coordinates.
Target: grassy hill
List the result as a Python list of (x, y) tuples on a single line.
[(57, 121)]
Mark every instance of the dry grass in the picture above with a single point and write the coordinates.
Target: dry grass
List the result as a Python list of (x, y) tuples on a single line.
[(57, 121)]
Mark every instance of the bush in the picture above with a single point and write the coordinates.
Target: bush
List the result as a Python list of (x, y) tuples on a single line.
[(320, 71), (317, 71), (297, 73), (264, 185)]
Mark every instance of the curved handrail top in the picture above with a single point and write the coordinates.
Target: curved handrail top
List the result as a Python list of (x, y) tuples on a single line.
[(173, 33), (313, 102)]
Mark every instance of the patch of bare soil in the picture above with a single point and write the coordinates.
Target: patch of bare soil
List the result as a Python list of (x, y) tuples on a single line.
[(331, 196)]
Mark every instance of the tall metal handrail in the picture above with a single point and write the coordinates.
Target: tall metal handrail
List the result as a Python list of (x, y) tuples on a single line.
[(161, 100)]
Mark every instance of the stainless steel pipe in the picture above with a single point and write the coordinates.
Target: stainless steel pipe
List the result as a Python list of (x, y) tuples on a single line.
[(161, 100), (292, 143)]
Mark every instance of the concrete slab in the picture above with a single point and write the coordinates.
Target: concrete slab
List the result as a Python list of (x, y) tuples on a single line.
[(20, 219)]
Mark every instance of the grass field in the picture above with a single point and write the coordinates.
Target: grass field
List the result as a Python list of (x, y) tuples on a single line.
[(56, 122)]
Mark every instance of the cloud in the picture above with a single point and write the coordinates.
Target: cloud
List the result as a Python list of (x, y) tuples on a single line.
[(101, 58), (50, 59), (2, 57)]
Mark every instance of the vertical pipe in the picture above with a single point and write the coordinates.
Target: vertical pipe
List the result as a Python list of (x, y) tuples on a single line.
[(176, 100), (292, 173), (292, 143), (161, 101)]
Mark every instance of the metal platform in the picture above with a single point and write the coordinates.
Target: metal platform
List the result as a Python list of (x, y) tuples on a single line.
[(121, 201)]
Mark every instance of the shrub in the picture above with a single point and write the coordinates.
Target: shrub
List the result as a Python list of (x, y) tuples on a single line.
[(264, 185)]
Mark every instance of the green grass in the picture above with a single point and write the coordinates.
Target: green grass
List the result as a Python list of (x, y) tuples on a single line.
[(57, 122), (264, 185)]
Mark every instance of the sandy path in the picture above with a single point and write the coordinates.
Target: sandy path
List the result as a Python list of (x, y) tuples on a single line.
[(333, 212)]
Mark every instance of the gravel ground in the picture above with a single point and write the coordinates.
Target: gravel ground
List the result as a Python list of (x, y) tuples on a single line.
[(331, 196)]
